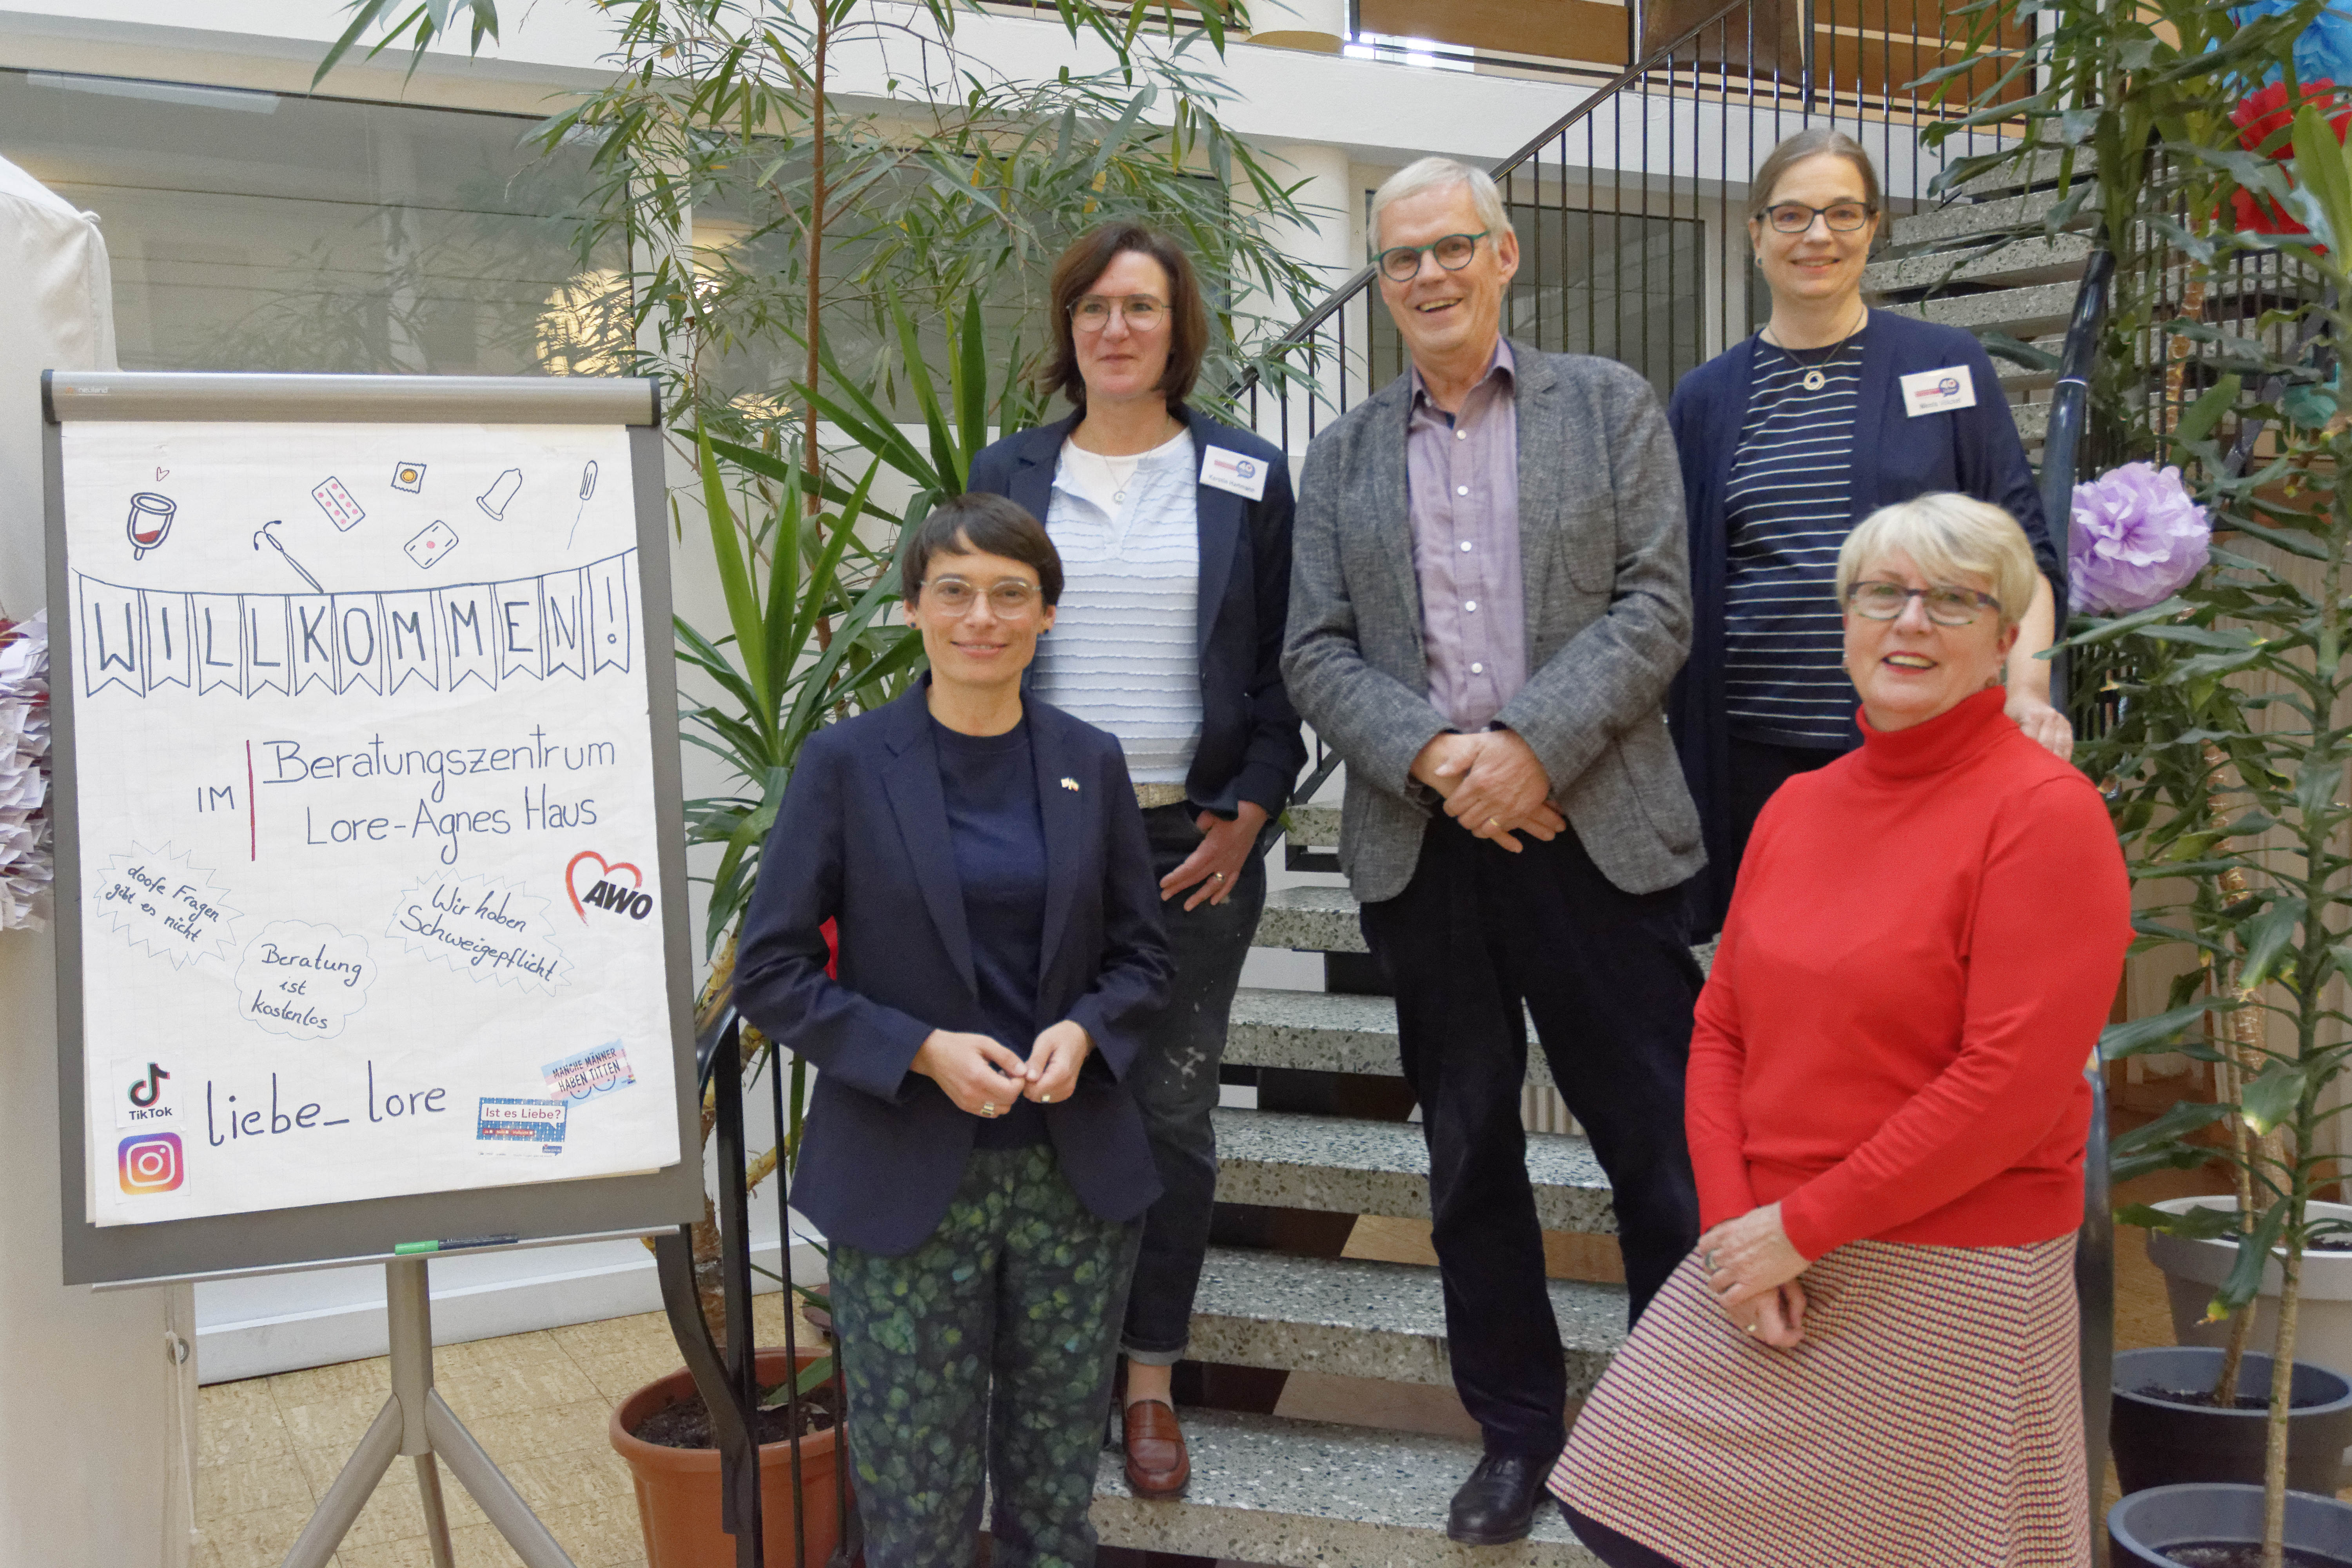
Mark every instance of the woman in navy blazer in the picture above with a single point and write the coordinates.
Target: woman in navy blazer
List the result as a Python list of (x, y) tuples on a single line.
[(1174, 532), (971, 1154), (1828, 413)]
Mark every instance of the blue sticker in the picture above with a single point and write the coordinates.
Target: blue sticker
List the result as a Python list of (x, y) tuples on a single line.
[(534, 1127), (586, 1074)]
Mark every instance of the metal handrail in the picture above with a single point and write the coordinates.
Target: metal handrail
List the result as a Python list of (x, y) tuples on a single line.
[(1304, 329)]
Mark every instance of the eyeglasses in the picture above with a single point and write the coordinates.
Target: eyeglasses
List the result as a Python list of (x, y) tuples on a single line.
[(1011, 598), (1947, 606), (1401, 263), (1092, 312), (1796, 218)]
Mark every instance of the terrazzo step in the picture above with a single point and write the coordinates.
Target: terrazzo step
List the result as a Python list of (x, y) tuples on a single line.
[(1314, 826), (1325, 1031), (2027, 261), (1962, 220), (2021, 313), (1309, 1494), (1312, 919), (1341, 1165), (2040, 170), (1355, 1317)]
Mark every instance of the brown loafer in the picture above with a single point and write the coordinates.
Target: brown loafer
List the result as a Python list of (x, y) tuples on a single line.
[(1156, 1465)]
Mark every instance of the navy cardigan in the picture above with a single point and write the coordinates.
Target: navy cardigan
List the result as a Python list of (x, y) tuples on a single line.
[(1251, 748), (1972, 450), (862, 839)]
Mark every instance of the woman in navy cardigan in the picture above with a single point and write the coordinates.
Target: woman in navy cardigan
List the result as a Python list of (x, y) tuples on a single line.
[(1830, 412), (1174, 533), (971, 1155)]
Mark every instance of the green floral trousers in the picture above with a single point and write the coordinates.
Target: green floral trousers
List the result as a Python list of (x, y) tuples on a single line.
[(989, 1346)]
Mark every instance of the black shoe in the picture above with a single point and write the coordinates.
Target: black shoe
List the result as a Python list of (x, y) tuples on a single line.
[(1497, 1504)]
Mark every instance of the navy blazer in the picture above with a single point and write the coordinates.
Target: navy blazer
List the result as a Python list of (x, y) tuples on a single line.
[(1251, 748), (1975, 451), (862, 839)]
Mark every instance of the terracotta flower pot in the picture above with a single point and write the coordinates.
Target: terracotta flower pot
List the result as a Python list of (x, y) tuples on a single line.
[(678, 1489)]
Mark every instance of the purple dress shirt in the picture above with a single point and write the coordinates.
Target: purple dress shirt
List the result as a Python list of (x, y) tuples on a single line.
[(1462, 487)]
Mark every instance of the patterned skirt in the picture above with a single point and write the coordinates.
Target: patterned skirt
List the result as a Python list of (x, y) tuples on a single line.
[(1932, 1415)]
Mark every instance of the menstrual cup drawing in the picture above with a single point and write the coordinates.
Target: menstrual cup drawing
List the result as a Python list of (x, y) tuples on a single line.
[(587, 488), (151, 519), (502, 490), (265, 537)]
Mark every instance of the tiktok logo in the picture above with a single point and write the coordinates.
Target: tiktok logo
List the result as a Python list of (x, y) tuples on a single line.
[(147, 1091)]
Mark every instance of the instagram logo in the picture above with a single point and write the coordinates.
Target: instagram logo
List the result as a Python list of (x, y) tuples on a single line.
[(150, 1163)]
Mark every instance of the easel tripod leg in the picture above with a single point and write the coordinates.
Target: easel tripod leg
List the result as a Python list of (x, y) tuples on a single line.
[(492, 1491), (349, 1494), (437, 1518)]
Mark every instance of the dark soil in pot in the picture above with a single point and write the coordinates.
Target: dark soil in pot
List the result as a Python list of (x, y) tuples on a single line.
[(2219, 1526), (2160, 1440), (687, 1425)]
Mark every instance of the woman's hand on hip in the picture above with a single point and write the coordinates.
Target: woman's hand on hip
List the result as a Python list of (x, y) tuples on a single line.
[(2043, 725), (1749, 1262), (1216, 865), (1054, 1060), (980, 1075)]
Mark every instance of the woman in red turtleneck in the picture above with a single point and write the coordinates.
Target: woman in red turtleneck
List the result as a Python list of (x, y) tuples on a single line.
[(1870, 1355)]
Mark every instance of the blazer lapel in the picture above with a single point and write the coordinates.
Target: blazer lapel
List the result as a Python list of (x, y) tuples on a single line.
[(1066, 817), (1039, 454), (1219, 521), (1386, 506), (1876, 396), (1536, 407), (912, 781)]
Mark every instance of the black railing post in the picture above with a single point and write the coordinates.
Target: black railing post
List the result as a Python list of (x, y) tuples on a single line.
[(741, 1477), (792, 1311)]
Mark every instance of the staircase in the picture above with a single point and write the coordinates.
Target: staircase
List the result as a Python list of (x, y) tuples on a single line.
[(1268, 1489)]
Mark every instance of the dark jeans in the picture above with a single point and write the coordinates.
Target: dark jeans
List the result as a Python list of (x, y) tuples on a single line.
[(1759, 768), (1175, 1081), (1611, 985), (1615, 1549)]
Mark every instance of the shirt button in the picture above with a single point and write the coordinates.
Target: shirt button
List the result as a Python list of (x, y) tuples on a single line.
[(1477, 669), (1471, 606), (1462, 435), (1462, 489), (1465, 544)]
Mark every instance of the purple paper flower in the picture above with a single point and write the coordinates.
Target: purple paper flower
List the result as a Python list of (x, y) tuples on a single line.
[(2138, 540)]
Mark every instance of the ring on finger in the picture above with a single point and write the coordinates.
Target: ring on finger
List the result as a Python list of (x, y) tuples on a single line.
[(1750, 1327), (987, 1109), (1216, 876), (1707, 1261)]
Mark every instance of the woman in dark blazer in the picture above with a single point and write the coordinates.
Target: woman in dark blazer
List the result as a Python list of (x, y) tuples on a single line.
[(971, 1154), (1174, 535), (1787, 440)]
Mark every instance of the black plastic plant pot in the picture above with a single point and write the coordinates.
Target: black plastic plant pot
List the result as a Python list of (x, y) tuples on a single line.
[(2159, 1443), (2143, 1527)]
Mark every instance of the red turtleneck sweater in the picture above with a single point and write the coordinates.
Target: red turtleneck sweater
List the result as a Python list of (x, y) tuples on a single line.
[(1924, 942)]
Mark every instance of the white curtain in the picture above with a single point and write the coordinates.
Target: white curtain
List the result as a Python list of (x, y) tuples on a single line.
[(97, 1390)]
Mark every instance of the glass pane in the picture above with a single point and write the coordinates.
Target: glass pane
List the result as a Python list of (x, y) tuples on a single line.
[(256, 231)]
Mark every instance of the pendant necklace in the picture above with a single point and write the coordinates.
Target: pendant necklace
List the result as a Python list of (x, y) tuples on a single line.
[(1814, 380)]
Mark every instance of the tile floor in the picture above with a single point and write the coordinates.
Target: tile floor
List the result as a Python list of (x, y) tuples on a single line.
[(267, 1448)]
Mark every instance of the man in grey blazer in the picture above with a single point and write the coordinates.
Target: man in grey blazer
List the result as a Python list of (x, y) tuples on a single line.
[(1489, 598)]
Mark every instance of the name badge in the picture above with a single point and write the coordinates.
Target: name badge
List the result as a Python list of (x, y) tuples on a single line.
[(1939, 391), (1244, 476)]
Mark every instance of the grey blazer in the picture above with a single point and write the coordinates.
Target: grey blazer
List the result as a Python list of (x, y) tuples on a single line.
[(1602, 548)]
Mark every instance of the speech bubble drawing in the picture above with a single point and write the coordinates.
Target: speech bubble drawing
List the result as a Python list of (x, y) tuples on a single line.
[(159, 900), (303, 980), (485, 928)]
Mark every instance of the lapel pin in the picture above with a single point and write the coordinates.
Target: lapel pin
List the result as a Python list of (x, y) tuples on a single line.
[(1071, 785)]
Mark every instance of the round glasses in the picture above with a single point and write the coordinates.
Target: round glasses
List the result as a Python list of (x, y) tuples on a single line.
[(1011, 598), (1796, 218), (1092, 312), (1401, 263), (1945, 605)]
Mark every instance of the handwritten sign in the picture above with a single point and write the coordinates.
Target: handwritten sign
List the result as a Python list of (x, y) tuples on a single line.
[(360, 826)]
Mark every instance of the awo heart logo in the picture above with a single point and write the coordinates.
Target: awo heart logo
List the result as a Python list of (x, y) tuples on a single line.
[(606, 893)]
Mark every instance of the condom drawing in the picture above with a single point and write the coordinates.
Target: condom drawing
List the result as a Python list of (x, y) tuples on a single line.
[(493, 502), (151, 519)]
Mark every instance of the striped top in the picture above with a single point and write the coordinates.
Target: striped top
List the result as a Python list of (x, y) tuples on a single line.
[(1790, 506), (1124, 651)]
